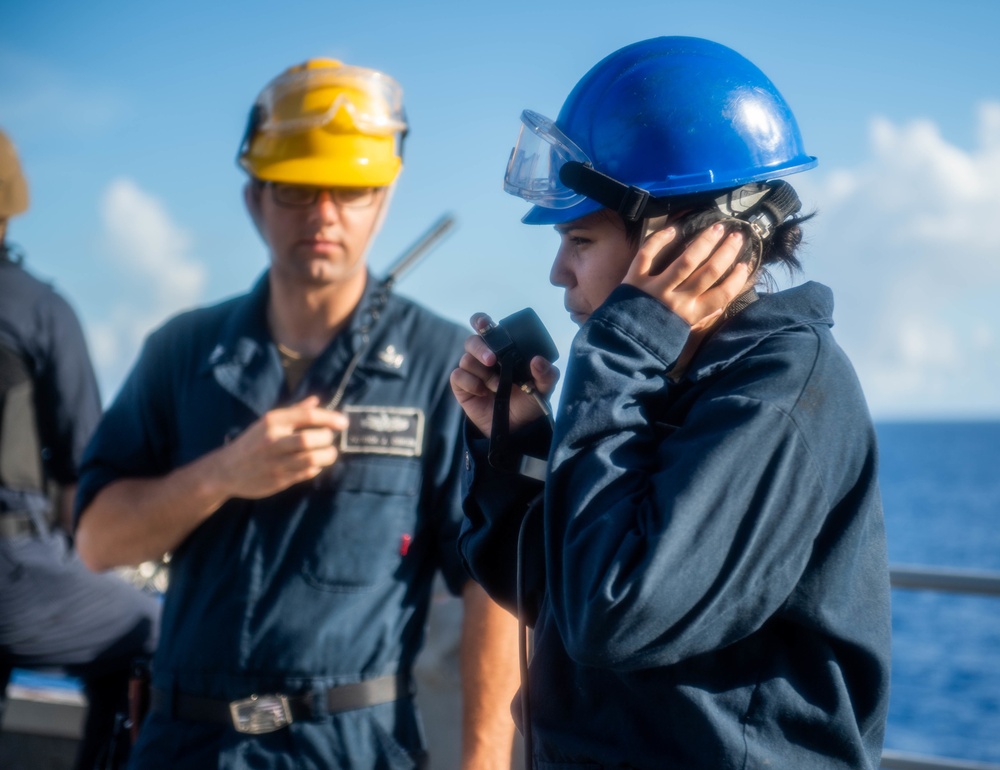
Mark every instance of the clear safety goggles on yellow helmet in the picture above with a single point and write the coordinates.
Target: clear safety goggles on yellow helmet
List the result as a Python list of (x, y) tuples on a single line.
[(369, 101), (328, 124), (541, 151)]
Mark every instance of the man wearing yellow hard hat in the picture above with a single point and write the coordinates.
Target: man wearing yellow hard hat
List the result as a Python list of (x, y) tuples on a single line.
[(296, 449)]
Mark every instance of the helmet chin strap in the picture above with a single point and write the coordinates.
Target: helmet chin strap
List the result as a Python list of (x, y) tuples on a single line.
[(629, 201), (632, 203), (765, 205), (379, 221)]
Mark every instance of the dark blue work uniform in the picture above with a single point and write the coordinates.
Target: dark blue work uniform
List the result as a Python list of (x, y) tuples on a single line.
[(708, 576), (54, 612), (325, 584)]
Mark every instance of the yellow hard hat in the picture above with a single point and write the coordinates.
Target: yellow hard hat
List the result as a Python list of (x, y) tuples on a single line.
[(328, 124), (13, 185)]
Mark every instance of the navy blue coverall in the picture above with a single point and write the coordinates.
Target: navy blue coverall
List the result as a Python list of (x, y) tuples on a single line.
[(54, 612), (327, 583), (707, 579)]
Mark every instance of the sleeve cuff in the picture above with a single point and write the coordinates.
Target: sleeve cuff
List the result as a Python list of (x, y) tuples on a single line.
[(646, 320)]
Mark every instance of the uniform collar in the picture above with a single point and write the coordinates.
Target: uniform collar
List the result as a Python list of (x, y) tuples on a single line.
[(808, 304), (246, 364), (244, 361)]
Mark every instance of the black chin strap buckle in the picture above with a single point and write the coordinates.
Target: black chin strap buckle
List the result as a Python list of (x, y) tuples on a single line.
[(633, 204)]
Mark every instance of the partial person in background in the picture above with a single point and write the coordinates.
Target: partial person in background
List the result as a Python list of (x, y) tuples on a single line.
[(54, 612), (704, 559), (297, 451)]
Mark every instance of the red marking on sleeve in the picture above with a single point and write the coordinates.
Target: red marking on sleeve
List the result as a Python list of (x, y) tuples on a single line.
[(404, 544)]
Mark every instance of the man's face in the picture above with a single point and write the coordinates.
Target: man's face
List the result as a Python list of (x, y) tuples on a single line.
[(319, 243), (594, 256)]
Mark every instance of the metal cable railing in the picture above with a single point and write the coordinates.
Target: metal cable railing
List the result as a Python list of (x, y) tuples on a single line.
[(977, 582), (898, 760), (941, 579)]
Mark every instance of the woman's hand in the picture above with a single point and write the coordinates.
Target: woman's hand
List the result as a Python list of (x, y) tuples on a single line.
[(690, 286), (475, 382)]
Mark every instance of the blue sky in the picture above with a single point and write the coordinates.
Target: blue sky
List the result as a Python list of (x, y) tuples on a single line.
[(127, 117)]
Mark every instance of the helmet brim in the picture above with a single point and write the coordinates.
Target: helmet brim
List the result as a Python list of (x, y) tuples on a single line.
[(539, 215)]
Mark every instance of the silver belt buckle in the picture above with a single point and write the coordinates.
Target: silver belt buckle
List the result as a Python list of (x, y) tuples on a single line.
[(260, 714)]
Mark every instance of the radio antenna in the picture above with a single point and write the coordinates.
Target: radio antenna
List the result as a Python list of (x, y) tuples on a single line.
[(419, 248)]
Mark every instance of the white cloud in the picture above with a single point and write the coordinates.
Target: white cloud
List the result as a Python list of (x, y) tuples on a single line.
[(909, 240), (156, 273)]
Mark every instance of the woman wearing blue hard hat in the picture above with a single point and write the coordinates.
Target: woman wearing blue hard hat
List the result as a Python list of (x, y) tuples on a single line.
[(702, 554)]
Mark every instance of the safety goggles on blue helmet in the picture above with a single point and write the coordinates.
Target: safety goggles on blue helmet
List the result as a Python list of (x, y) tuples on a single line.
[(548, 169), (536, 160)]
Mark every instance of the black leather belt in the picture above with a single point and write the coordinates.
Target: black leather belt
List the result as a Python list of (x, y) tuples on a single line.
[(265, 713), (16, 524)]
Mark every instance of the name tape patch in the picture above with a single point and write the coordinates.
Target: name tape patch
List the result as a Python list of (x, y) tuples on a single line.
[(383, 430)]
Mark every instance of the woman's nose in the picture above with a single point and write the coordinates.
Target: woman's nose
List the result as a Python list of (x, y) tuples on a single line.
[(560, 274)]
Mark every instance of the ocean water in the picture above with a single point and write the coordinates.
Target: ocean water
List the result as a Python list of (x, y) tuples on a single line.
[(941, 493)]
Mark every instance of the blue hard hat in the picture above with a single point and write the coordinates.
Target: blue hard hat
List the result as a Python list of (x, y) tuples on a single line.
[(666, 117)]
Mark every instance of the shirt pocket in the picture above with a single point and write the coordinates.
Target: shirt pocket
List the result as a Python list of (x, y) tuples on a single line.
[(360, 541)]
